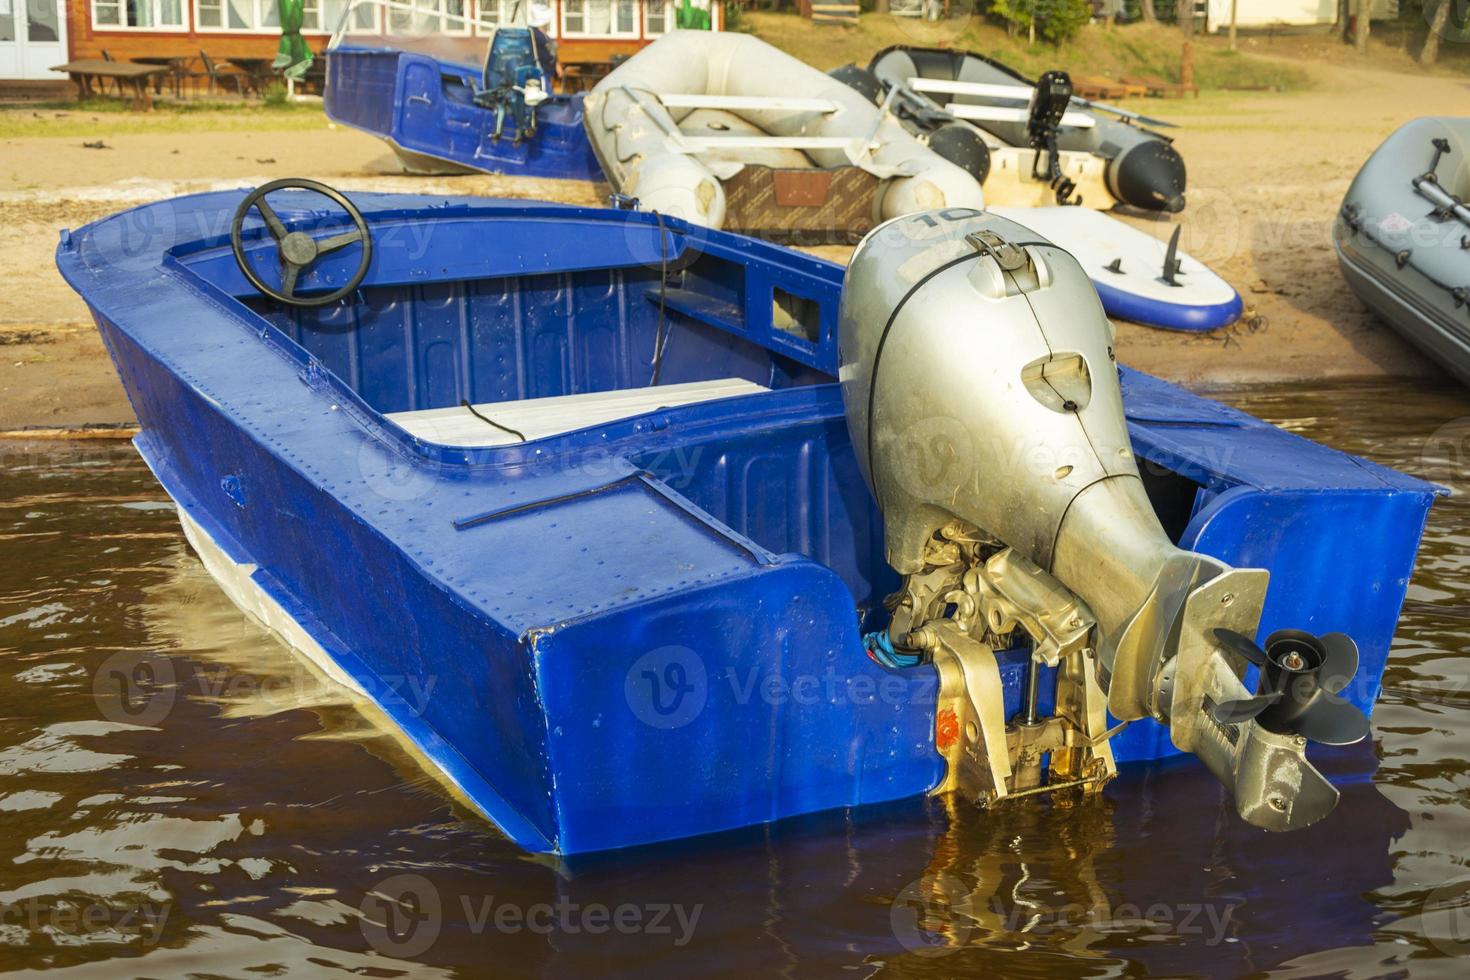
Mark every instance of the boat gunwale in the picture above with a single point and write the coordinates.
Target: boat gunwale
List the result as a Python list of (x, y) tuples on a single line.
[(802, 404), (620, 437)]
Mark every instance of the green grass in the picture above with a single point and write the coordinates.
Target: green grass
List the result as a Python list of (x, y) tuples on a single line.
[(96, 118), (1135, 49)]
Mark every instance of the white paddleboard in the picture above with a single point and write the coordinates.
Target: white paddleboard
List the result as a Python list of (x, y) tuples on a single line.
[(1127, 267)]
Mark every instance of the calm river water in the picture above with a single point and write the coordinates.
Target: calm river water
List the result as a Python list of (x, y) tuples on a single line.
[(254, 825)]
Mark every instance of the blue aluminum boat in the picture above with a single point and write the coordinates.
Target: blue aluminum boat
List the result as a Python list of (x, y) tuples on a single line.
[(635, 584), (442, 112)]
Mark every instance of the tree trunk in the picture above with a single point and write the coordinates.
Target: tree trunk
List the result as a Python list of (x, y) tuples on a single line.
[(1362, 25), (881, 7), (1232, 24), (1186, 16), (1437, 24), (1146, 12)]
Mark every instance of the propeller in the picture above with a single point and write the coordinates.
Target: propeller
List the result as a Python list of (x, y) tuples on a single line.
[(1298, 691)]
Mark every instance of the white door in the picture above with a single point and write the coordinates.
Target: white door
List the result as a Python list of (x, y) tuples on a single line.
[(32, 38)]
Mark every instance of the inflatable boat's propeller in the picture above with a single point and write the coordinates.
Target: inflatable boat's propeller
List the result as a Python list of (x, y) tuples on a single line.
[(1301, 676)]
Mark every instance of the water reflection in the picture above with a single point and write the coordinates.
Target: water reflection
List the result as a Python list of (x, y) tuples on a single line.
[(257, 824)]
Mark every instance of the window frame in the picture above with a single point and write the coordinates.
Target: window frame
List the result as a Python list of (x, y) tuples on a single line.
[(99, 28), (670, 8), (265, 30), (566, 32), (326, 30)]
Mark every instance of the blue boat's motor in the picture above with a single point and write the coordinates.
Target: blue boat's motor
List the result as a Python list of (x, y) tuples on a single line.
[(519, 66), (984, 403)]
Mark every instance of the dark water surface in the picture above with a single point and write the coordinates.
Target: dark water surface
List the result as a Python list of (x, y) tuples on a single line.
[(249, 823)]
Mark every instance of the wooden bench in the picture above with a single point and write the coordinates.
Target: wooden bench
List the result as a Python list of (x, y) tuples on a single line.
[(87, 71), (1160, 87), (1096, 87), (845, 14)]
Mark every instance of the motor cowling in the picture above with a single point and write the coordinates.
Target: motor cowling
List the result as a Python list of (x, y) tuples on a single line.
[(983, 400)]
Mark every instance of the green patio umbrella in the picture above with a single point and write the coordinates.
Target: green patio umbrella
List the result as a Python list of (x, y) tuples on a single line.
[(293, 57)]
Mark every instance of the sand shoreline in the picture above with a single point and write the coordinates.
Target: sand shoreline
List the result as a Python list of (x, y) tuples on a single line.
[(1267, 173)]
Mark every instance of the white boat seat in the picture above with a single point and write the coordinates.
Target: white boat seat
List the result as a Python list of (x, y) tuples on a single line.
[(730, 103), (985, 90), (703, 144), (537, 418), (989, 113)]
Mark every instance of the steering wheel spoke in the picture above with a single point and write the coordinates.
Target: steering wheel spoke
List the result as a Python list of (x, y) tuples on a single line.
[(297, 250), (272, 220), (289, 272), (325, 245)]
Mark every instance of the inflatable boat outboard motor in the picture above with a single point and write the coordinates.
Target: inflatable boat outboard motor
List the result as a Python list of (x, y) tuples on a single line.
[(983, 400), (1143, 170)]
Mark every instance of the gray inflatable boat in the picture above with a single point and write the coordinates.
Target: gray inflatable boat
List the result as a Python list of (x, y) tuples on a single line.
[(1403, 237), (1143, 167)]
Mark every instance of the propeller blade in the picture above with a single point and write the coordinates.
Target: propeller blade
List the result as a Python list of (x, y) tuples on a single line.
[(1235, 712), (1332, 722), (1241, 645), (1341, 665)]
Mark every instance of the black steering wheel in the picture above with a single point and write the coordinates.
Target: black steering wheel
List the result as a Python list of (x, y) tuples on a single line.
[(297, 249)]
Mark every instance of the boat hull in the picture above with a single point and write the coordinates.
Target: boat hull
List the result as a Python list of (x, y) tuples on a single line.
[(423, 108), (651, 629), (1401, 259)]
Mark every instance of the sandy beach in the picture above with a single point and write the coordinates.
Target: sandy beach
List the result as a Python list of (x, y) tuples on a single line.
[(1267, 172)]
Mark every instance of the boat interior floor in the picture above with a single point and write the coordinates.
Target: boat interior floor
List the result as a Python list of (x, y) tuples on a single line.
[(538, 418)]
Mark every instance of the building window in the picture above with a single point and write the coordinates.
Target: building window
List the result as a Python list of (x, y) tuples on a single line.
[(153, 15), (599, 18), (325, 16), (428, 17), (237, 15), (658, 17)]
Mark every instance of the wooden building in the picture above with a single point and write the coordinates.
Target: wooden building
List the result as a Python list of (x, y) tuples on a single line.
[(37, 34)]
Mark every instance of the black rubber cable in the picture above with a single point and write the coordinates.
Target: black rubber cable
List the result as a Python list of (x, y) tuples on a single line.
[(660, 338), (503, 428)]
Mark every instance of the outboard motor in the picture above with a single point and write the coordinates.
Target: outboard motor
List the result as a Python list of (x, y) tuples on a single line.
[(983, 400), (519, 66)]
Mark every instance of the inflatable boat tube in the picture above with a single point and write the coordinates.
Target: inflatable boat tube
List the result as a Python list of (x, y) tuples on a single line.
[(694, 109), (1143, 168), (1403, 238)]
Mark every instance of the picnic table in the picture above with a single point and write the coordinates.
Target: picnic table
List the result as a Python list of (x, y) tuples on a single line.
[(258, 72), (86, 71), (178, 70)]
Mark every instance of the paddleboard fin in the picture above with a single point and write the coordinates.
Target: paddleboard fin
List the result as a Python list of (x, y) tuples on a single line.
[(1171, 259)]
